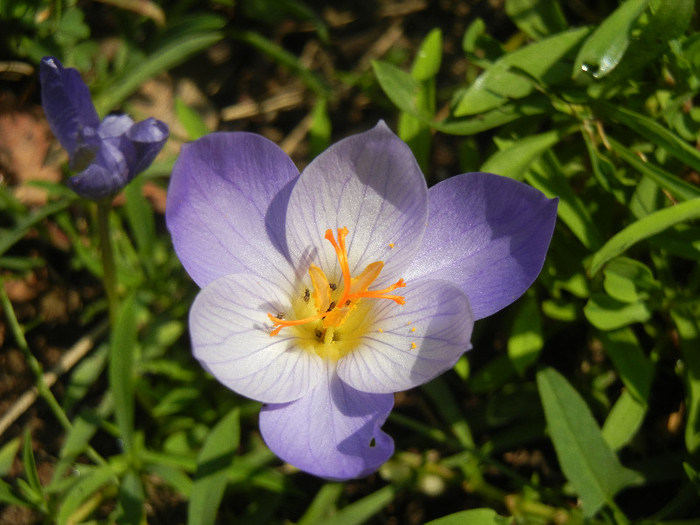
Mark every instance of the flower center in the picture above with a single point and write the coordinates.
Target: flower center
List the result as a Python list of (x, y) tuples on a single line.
[(332, 308)]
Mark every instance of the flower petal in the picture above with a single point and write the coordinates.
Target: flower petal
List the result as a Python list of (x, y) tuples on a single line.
[(66, 101), (371, 184), (231, 338), (488, 234), (411, 344), (226, 206), (105, 176), (333, 432), (148, 137)]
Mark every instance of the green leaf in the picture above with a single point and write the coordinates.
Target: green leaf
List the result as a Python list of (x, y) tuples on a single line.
[(585, 458), (29, 463), (183, 40), (548, 177), (525, 342), (629, 281), (139, 212), (194, 124), (503, 114), (606, 313), (401, 88), (537, 18), (677, 187), (427, 62), (131, 500), (121, 369), (360, 511), (515, 159), (688, 327), (213, 462), (472, 517), (8, 496), (323, 505), (321, 128), (624, 420), (603, 50), (644, 228), (655, 133), (548, 61), (90, 481), (7, 455), (633, 366)]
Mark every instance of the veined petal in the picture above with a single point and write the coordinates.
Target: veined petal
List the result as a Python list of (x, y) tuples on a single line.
[(411, 344), (66, 102), (371, 184), (226, 206), (231, 339), (105, 176), (333, 431), (114, 126), (488, 234), (148, 138)]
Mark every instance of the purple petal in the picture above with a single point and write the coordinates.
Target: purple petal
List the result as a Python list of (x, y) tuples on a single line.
[(226, 205), (371, 184), (114, 126), (231, 338), (107, 174), (66, 101), (333, 432), (148, 137), (411, 344), (487, 234)]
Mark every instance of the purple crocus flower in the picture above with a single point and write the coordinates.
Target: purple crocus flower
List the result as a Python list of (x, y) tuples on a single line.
[(326, 292), (108, 153)]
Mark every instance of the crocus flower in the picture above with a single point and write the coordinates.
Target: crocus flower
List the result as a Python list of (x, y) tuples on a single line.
[(108, 154), (326, 292)]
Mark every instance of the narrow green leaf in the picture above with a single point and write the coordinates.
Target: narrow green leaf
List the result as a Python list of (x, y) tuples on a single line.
[(624, 420), (548, 61), (688, 327), (603, 50), (89, 482), (427, 62), (322, 505), (213, 462), (142, 222), (633, 366), (121, 373), (525, 342), (131, 500), (514, 160), (585, 458), (679, 188), (537, 18), (547, 176), (7, 455), (503, 114), (29, 463), (401, 88), (321, 128), (360, 511), (8, 496), (472, 517), (654, 132), (173, 51), (643, 229), (191, 120)]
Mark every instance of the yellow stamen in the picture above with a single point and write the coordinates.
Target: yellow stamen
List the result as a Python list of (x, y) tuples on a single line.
[(332, 312)]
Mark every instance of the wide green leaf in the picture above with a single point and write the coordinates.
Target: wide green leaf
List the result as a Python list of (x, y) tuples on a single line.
[(633, 366), (643, 229), (603, 50), (472, 517), (513, 161), (213, 462), (624, 420), (585, 458), (606, 313), (548, 61)]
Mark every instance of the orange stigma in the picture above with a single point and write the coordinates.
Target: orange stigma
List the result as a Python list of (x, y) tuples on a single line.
[(332, 307)]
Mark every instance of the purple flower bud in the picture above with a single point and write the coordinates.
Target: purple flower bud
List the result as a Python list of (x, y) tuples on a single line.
[(108, 154)]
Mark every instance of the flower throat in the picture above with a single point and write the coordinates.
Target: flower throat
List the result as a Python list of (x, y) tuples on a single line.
[(333, 313)]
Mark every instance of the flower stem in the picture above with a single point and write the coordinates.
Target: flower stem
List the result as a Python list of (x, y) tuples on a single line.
[(36, 368), (109, 274)]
